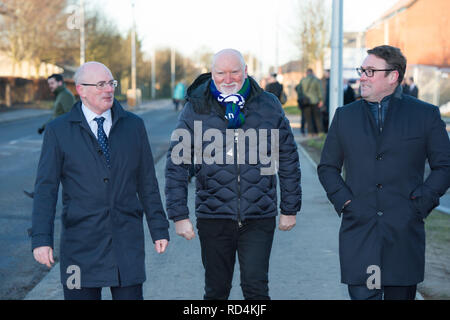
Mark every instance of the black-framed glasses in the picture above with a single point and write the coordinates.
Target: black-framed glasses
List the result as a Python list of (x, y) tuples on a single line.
[(102, 84), (370, 72)]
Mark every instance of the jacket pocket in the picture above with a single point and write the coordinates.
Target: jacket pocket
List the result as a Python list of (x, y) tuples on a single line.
[(415, 208), (349, 208)]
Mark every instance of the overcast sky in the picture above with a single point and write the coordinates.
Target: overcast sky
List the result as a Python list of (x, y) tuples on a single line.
[(247, 25)]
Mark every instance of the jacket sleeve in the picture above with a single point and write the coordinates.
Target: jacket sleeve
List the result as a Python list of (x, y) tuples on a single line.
[(68, 102), (289, 173), (329, 169), (319, 90), (58, 109), (179, 159), (438, 153), (148, 191), (46, 191)]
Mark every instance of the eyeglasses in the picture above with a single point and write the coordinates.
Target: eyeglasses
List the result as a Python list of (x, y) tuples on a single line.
[(102, 84), (370, 72)]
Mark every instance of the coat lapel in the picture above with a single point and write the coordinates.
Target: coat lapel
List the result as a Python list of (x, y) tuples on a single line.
[(370, 120), (393, 117), (117, 112), (77, 116)]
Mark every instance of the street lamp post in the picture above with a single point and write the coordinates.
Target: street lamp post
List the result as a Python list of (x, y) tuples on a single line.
[(82, 39), (133, 94), (133, 55), (154, 74), (172, 69), (336, 94)]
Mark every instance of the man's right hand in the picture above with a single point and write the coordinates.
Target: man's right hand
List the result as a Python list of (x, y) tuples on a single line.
[(44, 255), (185, 229)]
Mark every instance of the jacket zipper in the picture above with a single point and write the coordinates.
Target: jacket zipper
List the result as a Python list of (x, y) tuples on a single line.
[(380, 126), (238, 179)]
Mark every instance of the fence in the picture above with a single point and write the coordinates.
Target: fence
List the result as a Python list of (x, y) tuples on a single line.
[(433, 83), (15, 90)]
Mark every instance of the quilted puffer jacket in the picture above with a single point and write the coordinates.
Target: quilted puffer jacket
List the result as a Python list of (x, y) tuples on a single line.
[(234, 189)]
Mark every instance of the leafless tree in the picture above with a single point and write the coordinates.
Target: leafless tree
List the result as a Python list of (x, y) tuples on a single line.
[(32, 29), (312, 33)]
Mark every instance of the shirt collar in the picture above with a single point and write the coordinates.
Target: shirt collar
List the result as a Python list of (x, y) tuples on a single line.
[(385, 101), (90, 115)]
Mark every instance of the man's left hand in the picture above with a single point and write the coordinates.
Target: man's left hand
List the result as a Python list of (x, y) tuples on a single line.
[(286, 223), (161, 245)]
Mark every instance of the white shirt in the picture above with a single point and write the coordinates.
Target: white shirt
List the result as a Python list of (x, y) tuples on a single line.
[(90, 116)]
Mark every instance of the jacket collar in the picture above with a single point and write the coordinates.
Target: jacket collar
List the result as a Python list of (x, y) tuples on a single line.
[(397, 94), (59, 89), (76, 114), (200, 96)]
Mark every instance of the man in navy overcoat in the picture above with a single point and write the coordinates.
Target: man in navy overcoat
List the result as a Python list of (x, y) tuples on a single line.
[(101, 156), (383, 142)]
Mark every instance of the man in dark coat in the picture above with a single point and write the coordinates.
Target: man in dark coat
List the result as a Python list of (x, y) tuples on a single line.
[(276, 88), (383, 142), (227, 115), (326, 100), (349, 93), (411, 88), (101, 156)]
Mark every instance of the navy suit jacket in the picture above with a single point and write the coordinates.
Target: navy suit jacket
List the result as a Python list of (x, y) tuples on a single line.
[(102, 218)]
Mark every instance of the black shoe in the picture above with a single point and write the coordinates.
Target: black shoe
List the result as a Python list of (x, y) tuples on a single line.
[(29, 194)]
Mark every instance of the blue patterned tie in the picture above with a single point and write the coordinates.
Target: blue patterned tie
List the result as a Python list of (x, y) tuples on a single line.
[(102, 138)]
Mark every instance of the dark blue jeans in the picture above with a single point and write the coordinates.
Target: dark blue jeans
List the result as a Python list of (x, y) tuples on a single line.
[(220, 239)]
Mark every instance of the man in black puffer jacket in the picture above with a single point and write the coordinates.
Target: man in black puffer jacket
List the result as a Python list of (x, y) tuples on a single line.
[(238, 139)]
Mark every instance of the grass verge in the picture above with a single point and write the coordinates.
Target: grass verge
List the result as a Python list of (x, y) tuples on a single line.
[(292, 110)]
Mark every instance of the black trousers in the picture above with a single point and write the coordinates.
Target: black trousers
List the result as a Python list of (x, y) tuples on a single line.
[(118, 293), (386, 292), (220, 239), (313, 118)]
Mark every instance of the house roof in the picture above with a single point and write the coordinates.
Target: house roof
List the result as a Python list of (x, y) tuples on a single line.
[(398, 7)]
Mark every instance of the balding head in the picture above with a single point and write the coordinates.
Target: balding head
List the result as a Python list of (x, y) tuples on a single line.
[(228, 71), (228, 54), (87, 76), (89, 68)]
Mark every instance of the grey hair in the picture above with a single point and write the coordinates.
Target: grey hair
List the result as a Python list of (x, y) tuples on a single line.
[(228, 51), (81, 70)]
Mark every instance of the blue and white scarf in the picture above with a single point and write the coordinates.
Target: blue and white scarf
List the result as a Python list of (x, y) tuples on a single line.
[(233, 103)]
